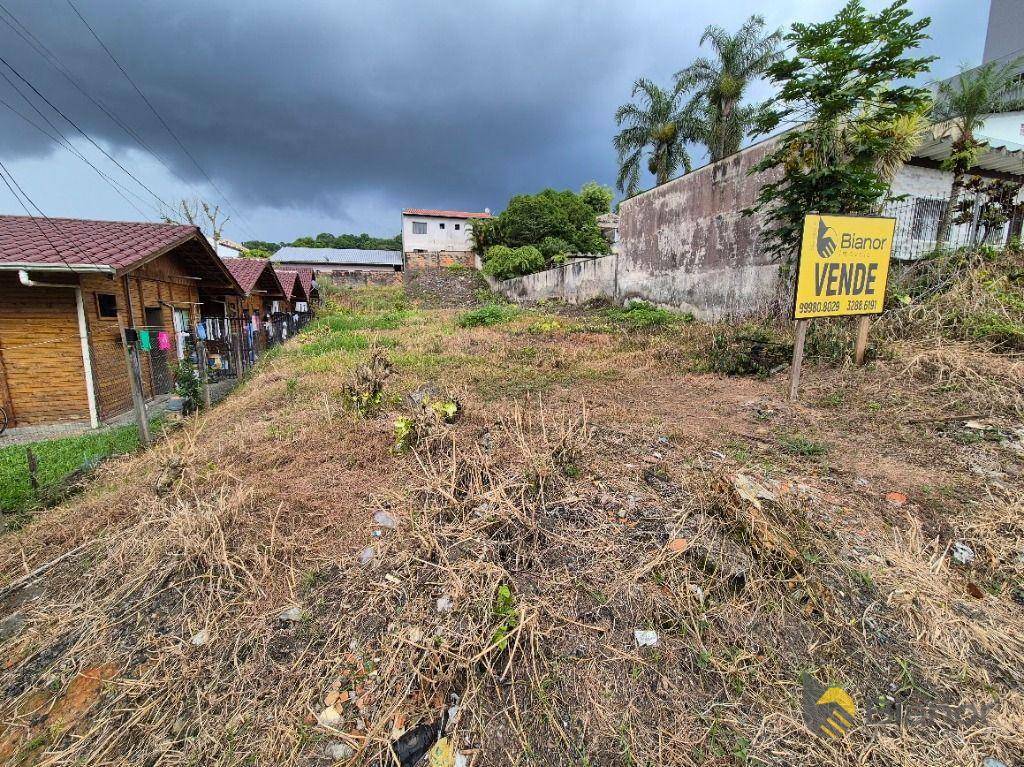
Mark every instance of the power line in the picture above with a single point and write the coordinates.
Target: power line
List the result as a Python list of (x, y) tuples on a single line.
[(67, 146), (51, 58), (35, 220), (75, 125), (157, 114)]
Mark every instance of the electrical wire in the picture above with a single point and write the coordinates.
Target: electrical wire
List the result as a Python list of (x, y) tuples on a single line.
[(75, 125), (19, 28), (157, 114)]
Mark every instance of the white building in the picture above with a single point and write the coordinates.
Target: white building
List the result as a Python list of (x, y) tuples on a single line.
[(438, 237)]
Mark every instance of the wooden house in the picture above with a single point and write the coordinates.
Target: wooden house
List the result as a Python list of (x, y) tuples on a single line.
[(308, 279), (262, 293), (67, 286), (297, 298)]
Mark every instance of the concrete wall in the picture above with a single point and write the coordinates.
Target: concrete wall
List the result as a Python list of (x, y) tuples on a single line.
[(574, 283), (686, 244), (442, 234)]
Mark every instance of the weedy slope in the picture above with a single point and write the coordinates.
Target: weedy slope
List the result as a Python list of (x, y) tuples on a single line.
[(278, 583)]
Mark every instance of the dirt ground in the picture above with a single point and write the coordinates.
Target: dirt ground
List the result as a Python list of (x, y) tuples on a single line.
[(561, 480)]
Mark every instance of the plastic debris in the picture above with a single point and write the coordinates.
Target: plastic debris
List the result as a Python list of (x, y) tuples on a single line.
[(444, 604), (339, 751), (962, 553), (366, 555), (385, 519), (645, 638), (201, 637), (291, 615)]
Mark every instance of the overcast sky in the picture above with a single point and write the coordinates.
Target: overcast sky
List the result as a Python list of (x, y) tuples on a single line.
[(330, 115)]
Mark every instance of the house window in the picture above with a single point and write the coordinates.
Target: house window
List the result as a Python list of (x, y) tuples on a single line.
[(106, 306), (441, 225), (927, 213), (456, 227), (419, 227)]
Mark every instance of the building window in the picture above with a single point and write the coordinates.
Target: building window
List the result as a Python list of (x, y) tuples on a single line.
[(927, 213), (456, 227), (419, 227), (106, 306), (441, 225)]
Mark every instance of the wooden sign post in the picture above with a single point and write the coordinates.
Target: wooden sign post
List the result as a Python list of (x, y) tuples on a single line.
[(842, 271)]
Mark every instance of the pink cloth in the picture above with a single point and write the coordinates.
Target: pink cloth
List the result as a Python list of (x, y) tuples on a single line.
[(163, 341)]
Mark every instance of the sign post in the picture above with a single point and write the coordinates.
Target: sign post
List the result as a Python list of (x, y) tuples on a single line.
[(842, 272)]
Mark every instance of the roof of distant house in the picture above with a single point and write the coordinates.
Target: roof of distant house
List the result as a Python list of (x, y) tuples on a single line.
[(337, 256), (253, 273), (306, 278), (114, 247), (443, 213), (293, 287)]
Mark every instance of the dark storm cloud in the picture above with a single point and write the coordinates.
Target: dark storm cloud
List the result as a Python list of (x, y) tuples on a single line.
[(307, 106)]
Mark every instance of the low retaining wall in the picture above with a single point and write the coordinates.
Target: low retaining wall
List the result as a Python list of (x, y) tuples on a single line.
[(573, 283)]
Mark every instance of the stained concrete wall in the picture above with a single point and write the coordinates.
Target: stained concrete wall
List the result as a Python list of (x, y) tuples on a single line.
[(687, 245), (574, 283)]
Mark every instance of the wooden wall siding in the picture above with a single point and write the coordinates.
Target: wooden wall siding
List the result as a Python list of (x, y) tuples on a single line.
[(42, 353), (155, 285)]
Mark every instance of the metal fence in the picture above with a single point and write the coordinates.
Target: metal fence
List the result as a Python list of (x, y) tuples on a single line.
[(918, 220)]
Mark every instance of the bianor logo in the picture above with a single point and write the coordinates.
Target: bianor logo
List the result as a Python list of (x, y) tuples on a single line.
[(826, 243)]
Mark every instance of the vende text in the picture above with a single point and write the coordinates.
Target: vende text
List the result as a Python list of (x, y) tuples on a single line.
[(836, 279)]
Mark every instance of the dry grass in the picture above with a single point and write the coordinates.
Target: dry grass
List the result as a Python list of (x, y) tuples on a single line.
[(550, 530)]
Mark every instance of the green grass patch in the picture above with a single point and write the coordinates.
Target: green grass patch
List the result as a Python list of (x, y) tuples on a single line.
[(486, 316), (797, 444), (56, 458), (643, 316)]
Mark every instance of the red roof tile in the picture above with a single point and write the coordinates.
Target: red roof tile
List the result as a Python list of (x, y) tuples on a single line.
[(306, 278), (443, 213), (77, 242), (250, 271), (291, 283)]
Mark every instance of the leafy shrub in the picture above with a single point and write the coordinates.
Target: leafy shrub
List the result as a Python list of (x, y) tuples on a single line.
[(491, 314), (365, 393), (188, 386), (501, 262), (552, 247), (745, 350), (643, 316)]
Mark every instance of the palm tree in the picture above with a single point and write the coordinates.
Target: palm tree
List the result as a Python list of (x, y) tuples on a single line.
[(721, 82), (657, 123), (965, 101)]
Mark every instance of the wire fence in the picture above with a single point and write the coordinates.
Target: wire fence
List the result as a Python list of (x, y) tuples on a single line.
[(129, 386), (977, 219)]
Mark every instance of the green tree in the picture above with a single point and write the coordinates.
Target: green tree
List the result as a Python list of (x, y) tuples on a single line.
[(531, 218), (721, 82), (270, 247), (842, 81), (655, 122), (965, 101), (256, 253), (598, 197)]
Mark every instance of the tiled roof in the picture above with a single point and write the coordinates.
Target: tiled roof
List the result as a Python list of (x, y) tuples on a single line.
[(443, 213), (292, 285), (119, 245), (306, 278), (249, 271), (337, 256)]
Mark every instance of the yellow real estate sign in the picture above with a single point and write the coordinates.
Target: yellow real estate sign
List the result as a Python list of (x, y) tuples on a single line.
[(844, 266)]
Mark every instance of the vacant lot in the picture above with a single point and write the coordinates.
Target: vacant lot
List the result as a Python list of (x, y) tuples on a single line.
[(458, 518)]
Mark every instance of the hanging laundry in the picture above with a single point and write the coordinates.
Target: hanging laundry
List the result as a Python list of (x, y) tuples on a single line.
[(201, 331), (145, 342), (163, 341)]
